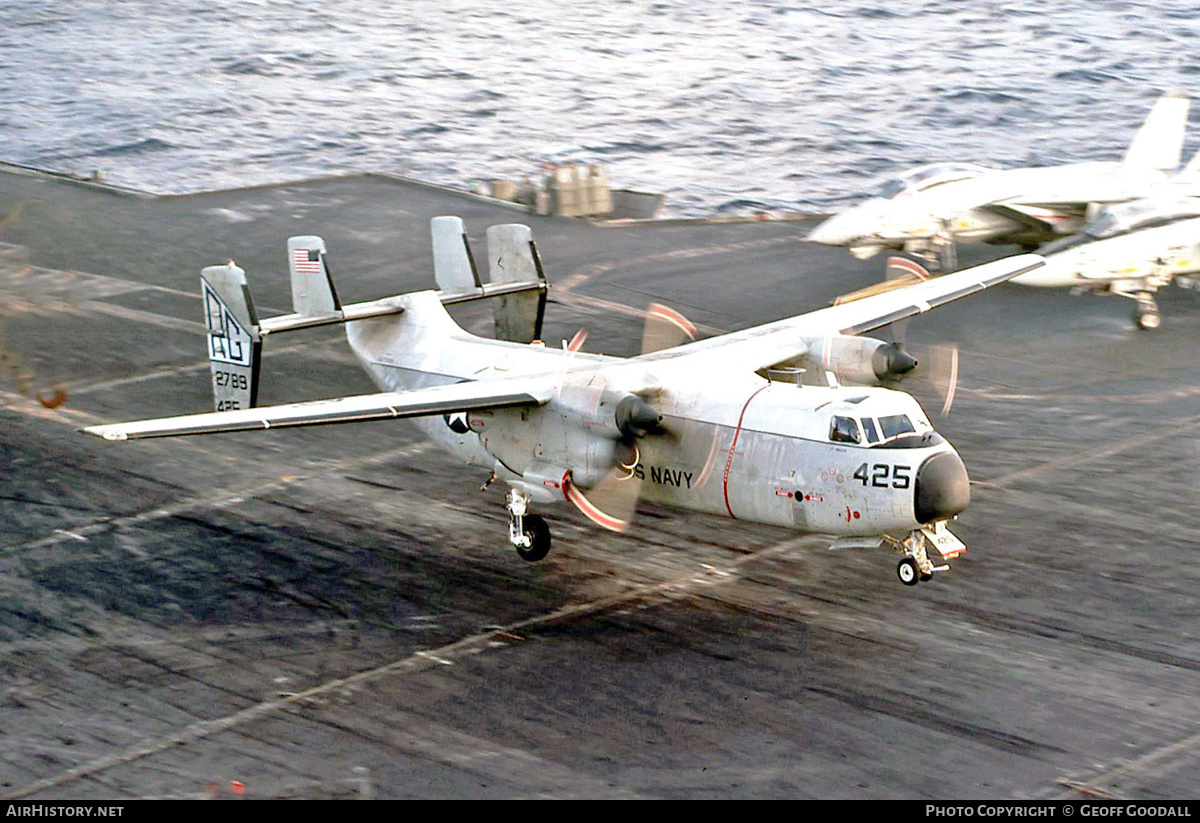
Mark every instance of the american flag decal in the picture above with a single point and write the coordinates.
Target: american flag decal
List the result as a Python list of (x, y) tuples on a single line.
[(307, 261)]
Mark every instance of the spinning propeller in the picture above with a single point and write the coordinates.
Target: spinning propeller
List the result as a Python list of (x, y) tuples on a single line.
[(935, 366), (610, 503)]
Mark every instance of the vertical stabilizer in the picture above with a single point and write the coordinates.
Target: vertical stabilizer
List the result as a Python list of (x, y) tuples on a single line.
[(513, 258), (1158, 144), (234, 342), (313, 294), (453, 265)]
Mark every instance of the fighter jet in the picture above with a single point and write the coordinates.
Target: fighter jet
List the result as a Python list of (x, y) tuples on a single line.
[(928, 210), (1131, 249)]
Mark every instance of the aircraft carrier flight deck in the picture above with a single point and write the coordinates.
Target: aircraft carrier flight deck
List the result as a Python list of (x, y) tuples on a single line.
[(337, 612)]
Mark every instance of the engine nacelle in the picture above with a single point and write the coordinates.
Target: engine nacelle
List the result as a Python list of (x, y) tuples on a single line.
[(537, 448), (615, 414), (543, 482), (861, 360)]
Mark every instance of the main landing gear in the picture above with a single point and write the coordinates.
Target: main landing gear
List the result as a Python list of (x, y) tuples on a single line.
[(1145, 311), (938, 252), (528, 533)]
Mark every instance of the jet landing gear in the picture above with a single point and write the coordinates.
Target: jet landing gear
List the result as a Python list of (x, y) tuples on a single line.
[(915, 567), (1145, 312), (528, 533)]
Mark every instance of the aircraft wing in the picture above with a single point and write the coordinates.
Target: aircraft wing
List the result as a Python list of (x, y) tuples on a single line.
[(763, 346), (456, 397)]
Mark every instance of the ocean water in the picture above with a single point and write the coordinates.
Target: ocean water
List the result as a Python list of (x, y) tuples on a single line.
[(726, 107)]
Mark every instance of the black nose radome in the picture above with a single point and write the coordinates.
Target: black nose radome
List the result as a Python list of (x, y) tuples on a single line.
[(943, 488)]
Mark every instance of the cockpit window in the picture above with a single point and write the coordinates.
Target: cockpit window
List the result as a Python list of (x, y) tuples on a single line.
[(844, 430), (926, 177), (895, 424), (1114, 221), (869, 430)]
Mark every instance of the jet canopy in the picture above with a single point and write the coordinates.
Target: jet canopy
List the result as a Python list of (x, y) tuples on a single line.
[(924, 178), (1141, 214), (1125, 218)]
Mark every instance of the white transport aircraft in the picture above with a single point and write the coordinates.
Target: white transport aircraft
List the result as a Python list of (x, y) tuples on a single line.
[(719, 425), (930, 209)]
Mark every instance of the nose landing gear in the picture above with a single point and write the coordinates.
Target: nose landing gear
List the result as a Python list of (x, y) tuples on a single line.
[(916, 567)]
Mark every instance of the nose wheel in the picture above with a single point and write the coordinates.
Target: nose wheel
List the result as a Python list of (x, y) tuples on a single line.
[(528, 533), (915, 567), (910, 573)]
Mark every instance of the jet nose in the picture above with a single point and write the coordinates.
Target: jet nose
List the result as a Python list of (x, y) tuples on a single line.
[(828, 232), (856, 225), (943, 488), (840, 229)]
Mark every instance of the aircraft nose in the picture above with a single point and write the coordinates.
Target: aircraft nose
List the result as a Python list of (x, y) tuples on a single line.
[(838, 230), (825, 233), (943, 488)]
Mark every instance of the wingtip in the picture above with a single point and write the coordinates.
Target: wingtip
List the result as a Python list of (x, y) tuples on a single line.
[(105, 433)]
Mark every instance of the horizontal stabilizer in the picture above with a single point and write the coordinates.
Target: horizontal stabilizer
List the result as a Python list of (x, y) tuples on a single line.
[(1158, 144), (234, 341), (456, 397)]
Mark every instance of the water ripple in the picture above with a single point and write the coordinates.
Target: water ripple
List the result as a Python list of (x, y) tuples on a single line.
[(726, 108)]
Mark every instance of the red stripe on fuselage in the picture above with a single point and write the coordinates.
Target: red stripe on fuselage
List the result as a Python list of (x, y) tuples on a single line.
[(732, 448)]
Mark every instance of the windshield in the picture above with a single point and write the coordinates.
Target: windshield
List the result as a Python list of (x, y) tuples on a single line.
[(1140, 214), (895, 424), (926, 177)]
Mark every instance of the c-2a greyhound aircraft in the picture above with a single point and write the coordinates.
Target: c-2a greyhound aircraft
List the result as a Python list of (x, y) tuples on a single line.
[(707, 425)]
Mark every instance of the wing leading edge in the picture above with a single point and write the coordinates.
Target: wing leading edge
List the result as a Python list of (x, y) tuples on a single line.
[(764, 346), (457, 397)]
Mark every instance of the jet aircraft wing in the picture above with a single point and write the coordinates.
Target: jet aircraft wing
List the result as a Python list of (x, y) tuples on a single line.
[(456, 397), (764, 346)]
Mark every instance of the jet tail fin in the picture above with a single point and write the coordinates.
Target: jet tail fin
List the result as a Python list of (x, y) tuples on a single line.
[(234, 340), (1158, 144)]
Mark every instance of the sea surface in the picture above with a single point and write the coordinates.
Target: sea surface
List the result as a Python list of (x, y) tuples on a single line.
[(726, 107)]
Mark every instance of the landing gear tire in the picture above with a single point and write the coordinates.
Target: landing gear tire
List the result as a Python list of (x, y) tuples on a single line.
[(908, 572), (1145, 313), (539, 539)]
